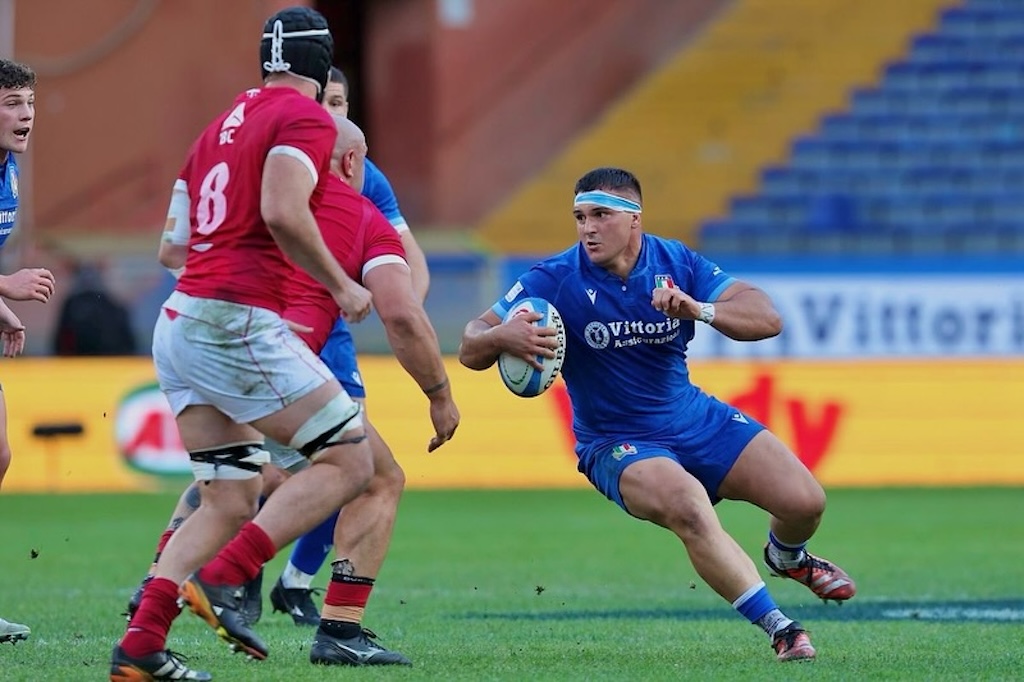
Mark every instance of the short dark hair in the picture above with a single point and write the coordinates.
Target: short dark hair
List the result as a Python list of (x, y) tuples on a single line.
[(608, 179), (15, 75), (338, 76)]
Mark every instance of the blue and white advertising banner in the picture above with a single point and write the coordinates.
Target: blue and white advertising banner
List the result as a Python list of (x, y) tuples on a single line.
[(877, 315)]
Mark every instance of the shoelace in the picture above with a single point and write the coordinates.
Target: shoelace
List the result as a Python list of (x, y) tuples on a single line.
[(301, 597), (176, 658), (788, 635), (812, 562), (308, 592)]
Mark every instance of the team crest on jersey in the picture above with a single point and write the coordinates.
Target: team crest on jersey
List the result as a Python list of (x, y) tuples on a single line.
[(234, 120), (664, 282), (13, 175), (620, 451)]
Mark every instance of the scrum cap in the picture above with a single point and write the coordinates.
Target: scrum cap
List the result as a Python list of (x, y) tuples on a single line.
[(297, 40)]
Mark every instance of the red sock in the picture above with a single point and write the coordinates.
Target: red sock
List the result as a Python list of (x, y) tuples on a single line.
[(147, 633), (349, 591), (241, 559), (164, 539)]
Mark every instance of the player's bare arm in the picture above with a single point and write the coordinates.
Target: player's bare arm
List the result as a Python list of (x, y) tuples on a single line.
[(172, 257), (743, 312), (284, 205), (485, 338), (12, 332), (174, 240), (28, 284), (415, 344), (417, 264)]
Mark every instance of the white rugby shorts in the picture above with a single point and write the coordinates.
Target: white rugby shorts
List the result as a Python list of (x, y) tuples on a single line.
[(241, 359)]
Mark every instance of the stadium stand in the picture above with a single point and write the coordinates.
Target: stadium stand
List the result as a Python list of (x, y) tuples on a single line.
[(930, 160), (729, 102)]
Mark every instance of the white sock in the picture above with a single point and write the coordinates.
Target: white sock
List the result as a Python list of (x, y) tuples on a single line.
[(294, 579), (787, 556), (773, 621)]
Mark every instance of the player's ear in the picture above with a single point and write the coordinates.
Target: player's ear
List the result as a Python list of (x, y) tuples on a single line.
[(348, 163)]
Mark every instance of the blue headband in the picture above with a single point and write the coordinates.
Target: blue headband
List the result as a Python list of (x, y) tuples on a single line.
[(599, 197)]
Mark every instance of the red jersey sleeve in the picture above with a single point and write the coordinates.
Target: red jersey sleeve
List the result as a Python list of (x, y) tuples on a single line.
[(308, 135), (382, 243)]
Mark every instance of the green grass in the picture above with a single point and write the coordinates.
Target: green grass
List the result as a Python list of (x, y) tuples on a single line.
[(555, 586)]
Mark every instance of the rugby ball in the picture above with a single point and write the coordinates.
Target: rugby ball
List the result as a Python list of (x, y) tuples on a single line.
[(520, 377)]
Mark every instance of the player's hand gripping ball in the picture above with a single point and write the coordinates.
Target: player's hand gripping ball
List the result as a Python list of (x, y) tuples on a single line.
[(519, 376)]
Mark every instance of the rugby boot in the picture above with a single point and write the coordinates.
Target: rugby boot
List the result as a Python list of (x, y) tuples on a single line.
[(358, 650), (136, 599), (162, 665), (296, 602), (252, 602), (792, 643), (13, 632), (826, 580), (221, 607)]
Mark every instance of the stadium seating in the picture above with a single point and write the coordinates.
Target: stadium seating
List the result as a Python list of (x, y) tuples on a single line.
[(726, 104), (931, 159)]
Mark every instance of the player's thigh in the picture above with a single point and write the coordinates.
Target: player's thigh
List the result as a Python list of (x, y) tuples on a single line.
[(644, 478), (769, 475), (203, 427), (326, 409), (660, 490), (286, 460)]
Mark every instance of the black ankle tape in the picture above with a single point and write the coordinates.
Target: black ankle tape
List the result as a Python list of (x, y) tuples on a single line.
[(351, 579)]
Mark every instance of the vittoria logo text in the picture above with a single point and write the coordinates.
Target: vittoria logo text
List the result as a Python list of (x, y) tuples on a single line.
[(624, 333)]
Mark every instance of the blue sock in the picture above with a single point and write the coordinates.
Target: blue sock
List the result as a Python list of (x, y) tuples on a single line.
[(311, 550), (757, 606), (782, 546)]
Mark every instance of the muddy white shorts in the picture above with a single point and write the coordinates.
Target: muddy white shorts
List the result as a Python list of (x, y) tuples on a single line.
[(241, 359)]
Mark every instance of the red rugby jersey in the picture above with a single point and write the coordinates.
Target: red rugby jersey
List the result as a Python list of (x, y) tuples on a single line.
[(232, 255), (360, 238)]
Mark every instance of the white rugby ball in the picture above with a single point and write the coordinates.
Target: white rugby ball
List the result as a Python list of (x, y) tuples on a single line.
[(519, 376)]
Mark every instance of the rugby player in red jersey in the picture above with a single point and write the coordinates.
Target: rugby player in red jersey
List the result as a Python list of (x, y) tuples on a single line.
[(228, 364)]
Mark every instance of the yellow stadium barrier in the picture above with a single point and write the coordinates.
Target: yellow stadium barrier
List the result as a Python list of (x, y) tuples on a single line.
[(854, 423)]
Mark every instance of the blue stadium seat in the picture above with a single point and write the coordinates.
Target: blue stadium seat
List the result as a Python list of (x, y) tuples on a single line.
[(932, 155)]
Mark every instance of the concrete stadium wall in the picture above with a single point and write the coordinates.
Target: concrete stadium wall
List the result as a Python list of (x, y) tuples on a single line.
[(124, 87), (466, 111)]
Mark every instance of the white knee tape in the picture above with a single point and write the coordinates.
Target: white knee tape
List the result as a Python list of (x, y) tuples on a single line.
[(340, 410)]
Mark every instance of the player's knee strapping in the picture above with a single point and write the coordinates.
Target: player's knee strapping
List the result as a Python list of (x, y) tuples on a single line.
[(237, 461), (329, 426)]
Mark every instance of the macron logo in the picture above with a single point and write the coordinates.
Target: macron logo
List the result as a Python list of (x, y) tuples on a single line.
[(740, 418), (592, 295)]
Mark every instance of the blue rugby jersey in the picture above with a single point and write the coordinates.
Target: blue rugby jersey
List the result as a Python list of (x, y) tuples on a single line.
[(377, 189), (8, 197), (625, 363)]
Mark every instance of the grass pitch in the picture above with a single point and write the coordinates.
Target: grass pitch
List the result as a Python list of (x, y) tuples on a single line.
[(558, 585)]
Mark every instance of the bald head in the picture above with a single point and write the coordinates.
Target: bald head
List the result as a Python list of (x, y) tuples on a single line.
[(349, 155)]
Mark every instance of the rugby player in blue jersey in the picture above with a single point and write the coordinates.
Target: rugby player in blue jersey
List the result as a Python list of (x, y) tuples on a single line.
[(647, 438), (17, 113)]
